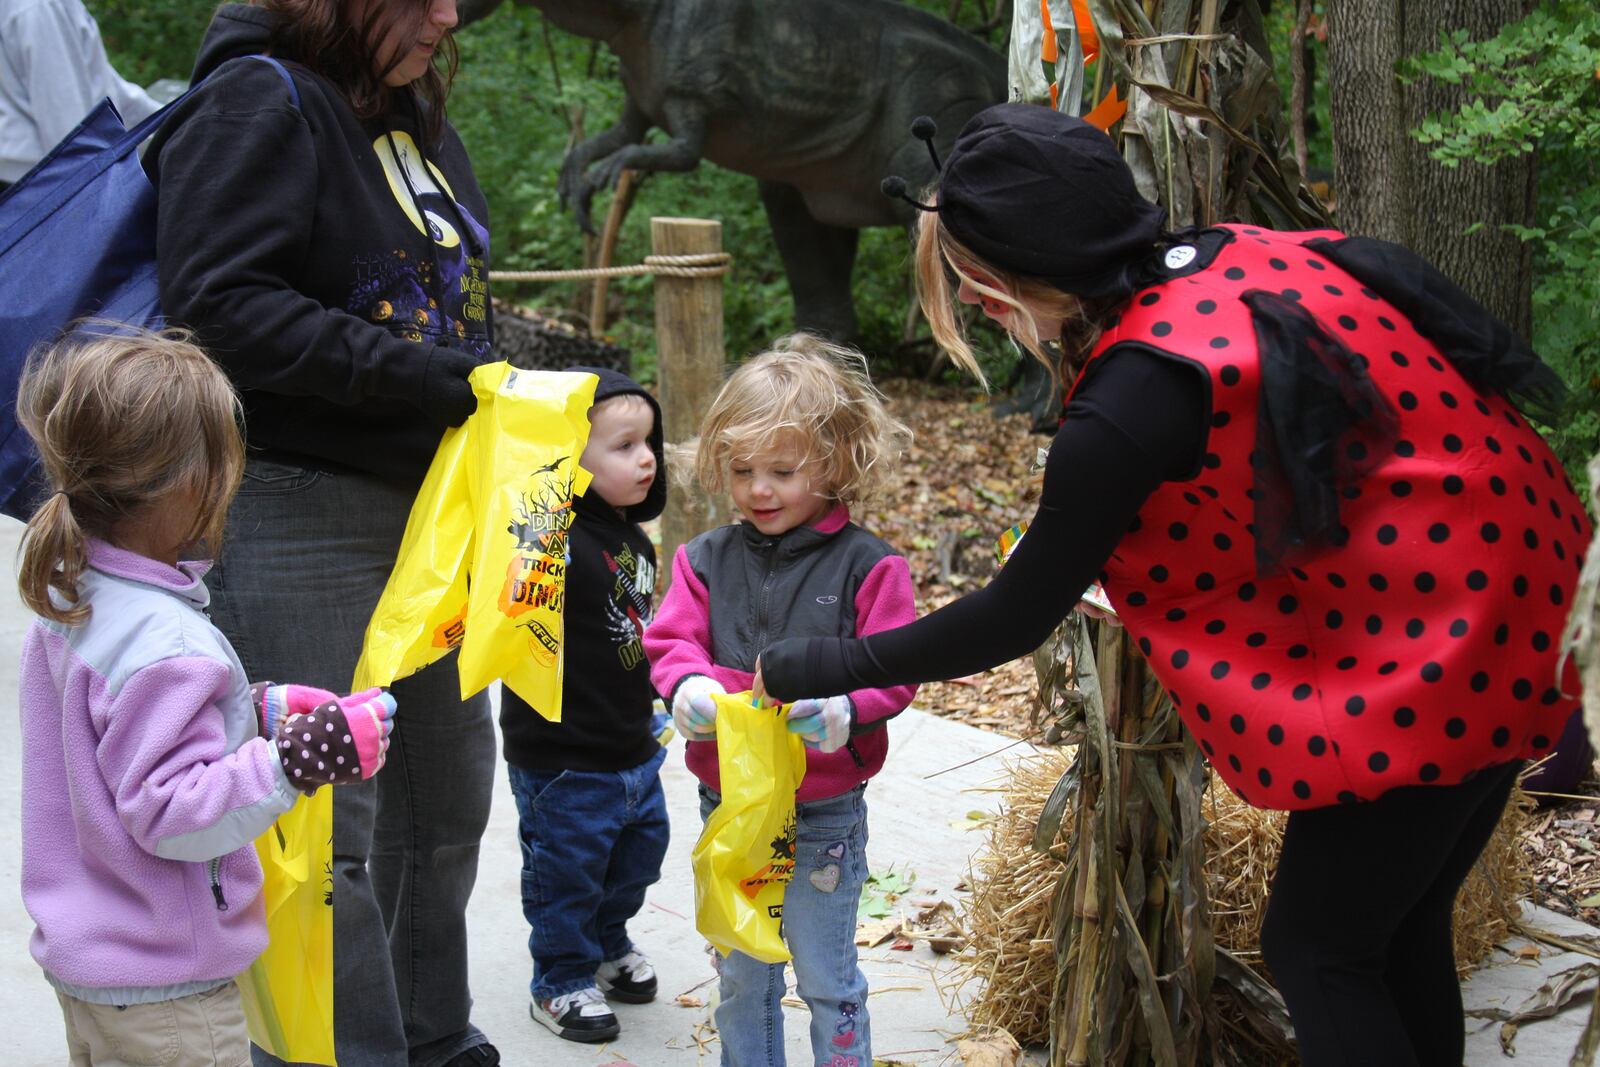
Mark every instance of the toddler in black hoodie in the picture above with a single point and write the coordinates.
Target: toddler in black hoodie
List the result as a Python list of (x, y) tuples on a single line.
[(591, 815)]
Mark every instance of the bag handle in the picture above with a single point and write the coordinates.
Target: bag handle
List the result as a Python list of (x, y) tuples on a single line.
[(113, 154)]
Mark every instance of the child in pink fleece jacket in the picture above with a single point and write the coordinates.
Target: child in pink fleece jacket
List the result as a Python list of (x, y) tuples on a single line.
[(795, 435), (145, 772)]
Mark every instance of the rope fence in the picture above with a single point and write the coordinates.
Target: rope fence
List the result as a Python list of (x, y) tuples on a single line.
[(703, 265)]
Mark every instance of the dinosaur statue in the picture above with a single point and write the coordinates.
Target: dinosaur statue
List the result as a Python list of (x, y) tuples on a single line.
[(813, 99)]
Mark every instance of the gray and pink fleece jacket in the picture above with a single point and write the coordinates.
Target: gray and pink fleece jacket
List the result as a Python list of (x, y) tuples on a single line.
[(735, 590), (144, 782)]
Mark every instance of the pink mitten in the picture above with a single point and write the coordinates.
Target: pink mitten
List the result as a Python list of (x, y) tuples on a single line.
[(275, 703), (341, 740)]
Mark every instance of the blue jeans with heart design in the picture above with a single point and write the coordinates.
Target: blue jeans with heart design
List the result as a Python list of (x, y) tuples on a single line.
[(819, 925)]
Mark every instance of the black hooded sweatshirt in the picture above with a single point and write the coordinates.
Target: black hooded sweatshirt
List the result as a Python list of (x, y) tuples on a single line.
[(606, 693), (321, 260)]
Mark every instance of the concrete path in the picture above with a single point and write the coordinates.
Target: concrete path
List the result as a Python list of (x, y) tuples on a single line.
[(916, 808)]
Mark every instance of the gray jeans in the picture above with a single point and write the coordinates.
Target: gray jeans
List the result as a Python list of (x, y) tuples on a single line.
[(303, 560)]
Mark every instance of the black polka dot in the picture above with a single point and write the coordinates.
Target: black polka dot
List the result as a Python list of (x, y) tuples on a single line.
[(1236, 724), (1158, 573), (1522, 689), (1404, 449), (1216, 626), (1385, 323), (1229, 375), (1355, 705), (1453, 484), (1334, 619), (1448, 399), (1275, 734), (1301, 691), (1206, 307), (1205, 581), (1502, 634), (1431, 672), (1490, 532), (1203, 711), (1176, 614), (1219, 669), (1256, 640), (1150, 298), (1347, 322), (1401, 489), (1408, 400), (1414, 628), (1519, 585), (1374, 625), (1346, 663), (1439, 533), (1291, 294), (1233, 274), (1288, 605), (1161, 329), (1178, 531), (1480, 681), (1530, 538), (1387, 534), (1400, 359), (1137, 599), (1388, 668), (1221, 419), (1219, 342), (1458, 628), (1264, 776), (1233, 761), (1316, 745), (1455, 727), (1180, 658), (1405, 717), (1379, 762), (1452, 443), (1378, 582), (1247, 592), (1540, 741), (1207, 746), (1261, 680), (1336, 580), (1333, 290), (1428, 772), (1557, 595), (1501, 737), (1299, 651), (1477, 580), (1347, 797), (1144, 645), (1424, 581), (1222, 541), (1540, 641)]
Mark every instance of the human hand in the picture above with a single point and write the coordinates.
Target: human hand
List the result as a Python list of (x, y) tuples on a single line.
[(446, 393), (339, 741), (694, 712), (822, 724), (275, 703)]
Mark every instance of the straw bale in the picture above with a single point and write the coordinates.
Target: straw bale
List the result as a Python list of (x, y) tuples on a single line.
[(1009, 914)]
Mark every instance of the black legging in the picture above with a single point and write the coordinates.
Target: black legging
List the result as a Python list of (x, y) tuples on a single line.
[(1357, 932)]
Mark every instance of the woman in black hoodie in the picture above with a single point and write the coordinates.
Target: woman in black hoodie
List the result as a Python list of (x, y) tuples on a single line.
[(325, 238)]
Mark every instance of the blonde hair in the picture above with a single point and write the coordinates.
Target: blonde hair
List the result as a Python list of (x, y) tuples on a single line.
[(942, 263), (122, 421), (822, 395)]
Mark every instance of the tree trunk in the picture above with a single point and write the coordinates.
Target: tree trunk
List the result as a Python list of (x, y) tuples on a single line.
[(1385, 184)]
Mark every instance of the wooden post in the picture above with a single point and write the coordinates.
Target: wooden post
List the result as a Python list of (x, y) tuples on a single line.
[(689, 360)]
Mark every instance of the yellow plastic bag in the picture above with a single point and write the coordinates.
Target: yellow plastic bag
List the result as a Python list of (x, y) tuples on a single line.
[(745, 856), (482, 563), (529, 431), (288, 991)]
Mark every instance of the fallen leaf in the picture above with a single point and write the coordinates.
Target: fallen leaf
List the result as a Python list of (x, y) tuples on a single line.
[(872, 934), (1000, 1050), (684, 1000)]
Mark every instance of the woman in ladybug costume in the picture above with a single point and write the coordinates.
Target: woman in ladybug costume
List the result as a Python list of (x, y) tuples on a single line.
[(1296, 464)]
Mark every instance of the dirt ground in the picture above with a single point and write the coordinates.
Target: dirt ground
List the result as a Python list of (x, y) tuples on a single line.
[(968, 477)]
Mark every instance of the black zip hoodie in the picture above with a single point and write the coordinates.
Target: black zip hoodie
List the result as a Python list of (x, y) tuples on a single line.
[(610, 597), (323, 261)]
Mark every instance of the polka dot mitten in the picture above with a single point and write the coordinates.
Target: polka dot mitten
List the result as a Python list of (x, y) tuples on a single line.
[(275, 703), (338, 741), (822, 724)]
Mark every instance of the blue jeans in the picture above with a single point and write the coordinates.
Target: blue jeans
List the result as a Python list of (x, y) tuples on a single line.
[(303, 560), (819, 925), (592, 843)]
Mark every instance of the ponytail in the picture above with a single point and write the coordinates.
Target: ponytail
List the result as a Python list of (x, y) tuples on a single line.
[(53, 556)]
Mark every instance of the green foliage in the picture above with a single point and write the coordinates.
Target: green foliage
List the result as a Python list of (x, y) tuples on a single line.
[(151, 39), (1279, 22), (1535, 86)]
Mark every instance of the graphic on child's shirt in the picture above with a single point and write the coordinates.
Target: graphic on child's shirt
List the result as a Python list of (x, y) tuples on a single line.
[(627, 609), (442, 298), (536, 574)]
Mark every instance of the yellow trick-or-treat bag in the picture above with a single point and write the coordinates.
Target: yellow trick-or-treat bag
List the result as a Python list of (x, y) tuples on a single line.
[(482, 564), (745, 856), (288, 991), (530, 430)]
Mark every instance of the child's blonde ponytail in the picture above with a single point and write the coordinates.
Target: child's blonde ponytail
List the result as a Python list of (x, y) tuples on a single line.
[(53, 556)]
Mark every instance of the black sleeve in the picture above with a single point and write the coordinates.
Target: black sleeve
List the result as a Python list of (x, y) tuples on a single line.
[(237, 181), (1138, 421)]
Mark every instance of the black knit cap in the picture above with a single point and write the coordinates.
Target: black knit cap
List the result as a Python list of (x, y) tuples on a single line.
[(1048, 196)]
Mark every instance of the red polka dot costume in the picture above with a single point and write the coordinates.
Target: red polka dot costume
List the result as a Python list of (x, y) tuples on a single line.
[(1398, 658)]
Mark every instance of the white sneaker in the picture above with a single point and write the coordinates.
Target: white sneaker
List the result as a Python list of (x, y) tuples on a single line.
[(582, 1015), (631, 979)]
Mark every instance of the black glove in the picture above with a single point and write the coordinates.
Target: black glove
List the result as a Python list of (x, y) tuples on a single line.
[(795, 666), (446, 394)]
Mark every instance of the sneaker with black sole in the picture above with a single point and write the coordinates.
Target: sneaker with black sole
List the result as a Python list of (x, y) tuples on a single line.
[(631, 979), (582, 1015)]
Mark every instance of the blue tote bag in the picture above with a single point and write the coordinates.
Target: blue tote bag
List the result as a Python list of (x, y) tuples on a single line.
[(77, 240)]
